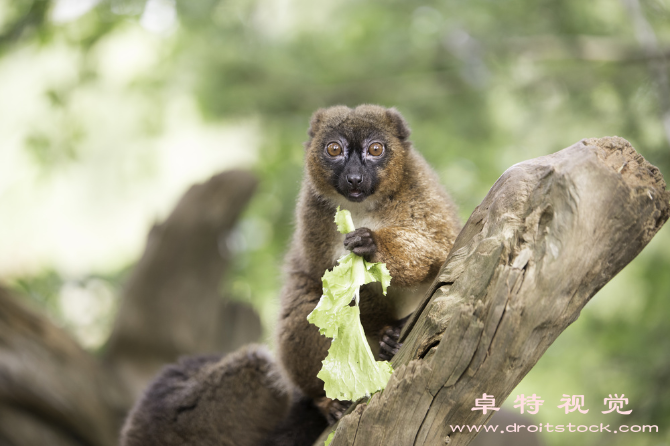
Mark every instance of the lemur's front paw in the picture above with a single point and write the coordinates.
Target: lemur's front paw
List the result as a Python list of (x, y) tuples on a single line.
[(388, 344), (332, 409), (361, 243)]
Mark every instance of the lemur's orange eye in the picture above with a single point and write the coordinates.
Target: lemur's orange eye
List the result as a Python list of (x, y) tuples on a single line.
[(334, 149), (375, 149)]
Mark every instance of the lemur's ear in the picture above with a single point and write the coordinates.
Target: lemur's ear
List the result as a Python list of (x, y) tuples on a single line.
[(315, 122), (399, 124)]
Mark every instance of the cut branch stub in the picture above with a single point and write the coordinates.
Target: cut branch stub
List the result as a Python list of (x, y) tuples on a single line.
[(550, 233)]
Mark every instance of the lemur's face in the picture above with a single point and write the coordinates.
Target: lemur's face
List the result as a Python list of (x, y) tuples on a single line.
[(355, 153), (354, 159)]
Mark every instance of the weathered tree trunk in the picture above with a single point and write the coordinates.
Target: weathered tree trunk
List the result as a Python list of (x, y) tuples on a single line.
[(550, 233), (52, 392)]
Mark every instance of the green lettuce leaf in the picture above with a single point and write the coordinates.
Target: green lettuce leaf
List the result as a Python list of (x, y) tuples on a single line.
[(349, 371), (343, 220)]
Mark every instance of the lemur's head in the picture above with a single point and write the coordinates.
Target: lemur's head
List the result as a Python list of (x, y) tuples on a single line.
[(356, 153)]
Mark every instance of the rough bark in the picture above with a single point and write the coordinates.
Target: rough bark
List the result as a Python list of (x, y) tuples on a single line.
[(550, 233), (52, 392)]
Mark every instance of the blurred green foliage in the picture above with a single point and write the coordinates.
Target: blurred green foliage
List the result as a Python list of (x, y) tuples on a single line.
[(484, 84)]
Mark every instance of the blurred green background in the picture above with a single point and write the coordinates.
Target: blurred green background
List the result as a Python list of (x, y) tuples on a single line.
[(110, 109)]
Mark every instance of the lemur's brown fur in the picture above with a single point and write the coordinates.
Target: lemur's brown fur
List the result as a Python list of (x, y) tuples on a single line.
[(237, 400), (411, 219), (240, 399)]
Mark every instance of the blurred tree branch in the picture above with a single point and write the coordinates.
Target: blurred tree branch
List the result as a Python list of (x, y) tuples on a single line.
[(658, 62), (582, 47), (30, 23), (171, 304), (53, 392)]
